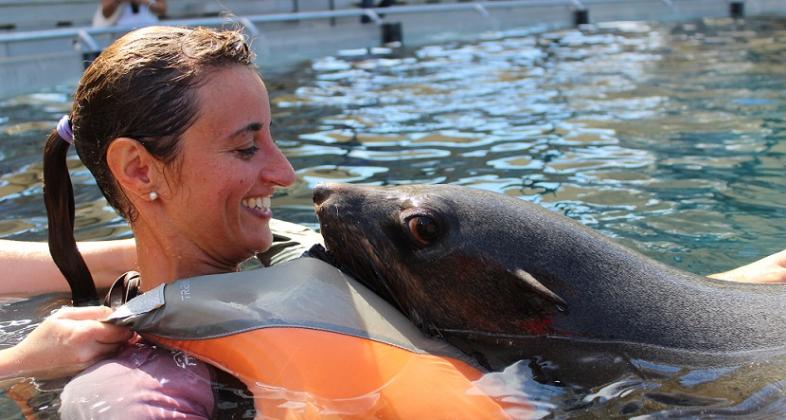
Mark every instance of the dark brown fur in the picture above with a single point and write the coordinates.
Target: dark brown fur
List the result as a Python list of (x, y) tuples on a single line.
[(512, 272)]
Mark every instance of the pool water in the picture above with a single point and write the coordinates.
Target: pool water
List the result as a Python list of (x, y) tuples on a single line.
[(670, 138)]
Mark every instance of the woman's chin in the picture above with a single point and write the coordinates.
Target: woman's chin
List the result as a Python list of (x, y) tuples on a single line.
[(262, 242)]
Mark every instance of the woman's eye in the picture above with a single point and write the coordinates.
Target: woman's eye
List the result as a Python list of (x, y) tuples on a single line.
[(248, 152)]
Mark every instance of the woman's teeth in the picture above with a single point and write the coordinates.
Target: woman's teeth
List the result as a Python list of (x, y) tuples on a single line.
[(259, 203)]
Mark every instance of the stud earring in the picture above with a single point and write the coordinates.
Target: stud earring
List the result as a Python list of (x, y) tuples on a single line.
[(152, 196)]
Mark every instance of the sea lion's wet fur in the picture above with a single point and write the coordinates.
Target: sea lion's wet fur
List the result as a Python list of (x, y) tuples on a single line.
[(501, 267)]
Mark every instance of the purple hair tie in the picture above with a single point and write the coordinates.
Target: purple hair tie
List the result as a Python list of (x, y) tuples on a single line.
[(64, 129)]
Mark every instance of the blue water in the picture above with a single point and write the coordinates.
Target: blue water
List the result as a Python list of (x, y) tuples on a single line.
[(669, 138)]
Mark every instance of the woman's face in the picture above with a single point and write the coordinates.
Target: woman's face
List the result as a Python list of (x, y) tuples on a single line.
[(229, 166)]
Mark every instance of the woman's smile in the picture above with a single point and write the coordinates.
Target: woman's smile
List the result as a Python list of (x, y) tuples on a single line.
[(258, 206)]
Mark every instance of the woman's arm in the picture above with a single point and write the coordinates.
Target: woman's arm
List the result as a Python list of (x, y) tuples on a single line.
[(66, 342), (27, 268), (770, 269), (108, 7)]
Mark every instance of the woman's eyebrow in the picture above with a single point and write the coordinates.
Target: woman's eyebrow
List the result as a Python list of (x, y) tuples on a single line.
[(254, 126)]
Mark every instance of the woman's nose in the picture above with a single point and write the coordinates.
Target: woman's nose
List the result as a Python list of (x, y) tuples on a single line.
[(277, 169)]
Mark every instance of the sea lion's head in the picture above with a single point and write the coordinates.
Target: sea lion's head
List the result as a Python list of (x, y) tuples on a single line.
[(444, 255)]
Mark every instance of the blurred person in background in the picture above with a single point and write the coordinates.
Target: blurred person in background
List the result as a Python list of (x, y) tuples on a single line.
[(132, 13)]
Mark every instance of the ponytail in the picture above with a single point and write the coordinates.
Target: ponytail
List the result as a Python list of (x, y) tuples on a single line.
[(59, 200)]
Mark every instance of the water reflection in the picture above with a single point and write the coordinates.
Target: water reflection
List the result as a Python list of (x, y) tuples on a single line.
[(669, 138), (666, 138)]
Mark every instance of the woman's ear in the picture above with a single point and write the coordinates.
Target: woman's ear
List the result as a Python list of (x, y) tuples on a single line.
[(136, 171)]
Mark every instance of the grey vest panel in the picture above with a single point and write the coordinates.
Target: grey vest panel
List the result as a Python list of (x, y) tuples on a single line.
[(302, 293)]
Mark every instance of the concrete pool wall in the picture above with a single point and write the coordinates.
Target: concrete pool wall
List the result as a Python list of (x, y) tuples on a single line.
[(33, 61)]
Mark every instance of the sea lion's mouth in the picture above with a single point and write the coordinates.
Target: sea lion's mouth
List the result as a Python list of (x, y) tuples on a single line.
[(319, 252)]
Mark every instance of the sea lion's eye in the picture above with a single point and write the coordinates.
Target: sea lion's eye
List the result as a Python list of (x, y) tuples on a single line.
[(424, 229)]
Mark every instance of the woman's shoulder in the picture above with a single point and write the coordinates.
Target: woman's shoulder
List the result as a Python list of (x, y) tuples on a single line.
[(142, 381)]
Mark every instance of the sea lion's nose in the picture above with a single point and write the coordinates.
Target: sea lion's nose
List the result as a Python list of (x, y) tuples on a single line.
[(322, 192)]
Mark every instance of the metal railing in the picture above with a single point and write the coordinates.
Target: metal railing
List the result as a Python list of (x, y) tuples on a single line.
[(33, 60), (86, 35)]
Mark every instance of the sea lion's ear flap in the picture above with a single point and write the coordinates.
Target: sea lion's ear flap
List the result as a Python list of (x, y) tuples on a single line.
[(539, 288)]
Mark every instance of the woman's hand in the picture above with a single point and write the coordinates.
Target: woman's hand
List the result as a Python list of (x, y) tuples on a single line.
[(771, 269), (67, 342)]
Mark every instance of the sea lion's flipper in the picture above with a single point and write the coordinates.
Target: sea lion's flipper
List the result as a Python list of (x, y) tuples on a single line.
[(538, 287)]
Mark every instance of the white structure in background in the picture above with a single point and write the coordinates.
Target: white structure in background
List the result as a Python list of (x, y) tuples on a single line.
[(286, 32)]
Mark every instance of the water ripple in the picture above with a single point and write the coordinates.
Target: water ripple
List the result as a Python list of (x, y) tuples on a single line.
[(669, 138)]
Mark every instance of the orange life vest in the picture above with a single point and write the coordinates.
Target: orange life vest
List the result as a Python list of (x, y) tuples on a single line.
[(309, 342)]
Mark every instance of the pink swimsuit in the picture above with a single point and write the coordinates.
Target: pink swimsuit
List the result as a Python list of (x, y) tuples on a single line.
[(142, 382)]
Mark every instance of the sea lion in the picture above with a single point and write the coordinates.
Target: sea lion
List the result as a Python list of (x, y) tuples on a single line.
[(505, 279)]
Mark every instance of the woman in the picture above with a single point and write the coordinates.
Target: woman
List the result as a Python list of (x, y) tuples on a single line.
[(174, 124)]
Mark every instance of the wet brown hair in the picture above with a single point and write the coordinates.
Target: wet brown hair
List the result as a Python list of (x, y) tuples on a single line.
[(143, 86)]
